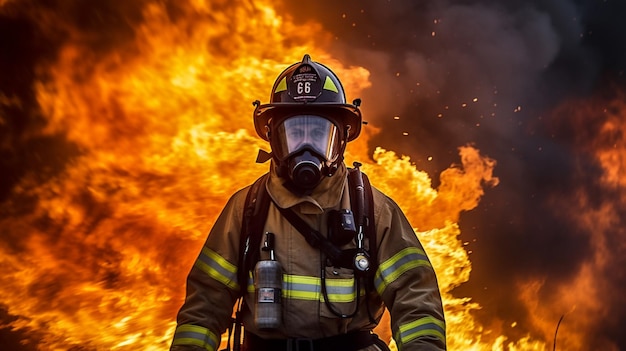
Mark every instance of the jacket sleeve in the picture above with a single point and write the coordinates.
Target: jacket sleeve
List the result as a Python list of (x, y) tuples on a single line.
[(212, 286), (407, 283)]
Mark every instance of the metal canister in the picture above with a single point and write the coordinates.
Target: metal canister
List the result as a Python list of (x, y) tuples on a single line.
[(268, 283)]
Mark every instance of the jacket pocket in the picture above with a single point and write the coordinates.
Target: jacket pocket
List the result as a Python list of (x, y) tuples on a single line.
[(339, 293)]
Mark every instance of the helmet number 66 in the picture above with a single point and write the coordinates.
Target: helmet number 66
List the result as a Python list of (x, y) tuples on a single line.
[(304, 87)]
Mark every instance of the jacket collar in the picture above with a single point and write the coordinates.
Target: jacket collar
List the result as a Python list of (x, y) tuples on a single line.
[(326, 195)]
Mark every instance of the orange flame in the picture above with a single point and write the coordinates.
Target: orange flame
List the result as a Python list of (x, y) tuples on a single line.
[(582, 299), (165, 137)]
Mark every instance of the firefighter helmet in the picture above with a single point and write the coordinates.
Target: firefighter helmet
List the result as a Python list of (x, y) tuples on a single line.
[(308, 88)]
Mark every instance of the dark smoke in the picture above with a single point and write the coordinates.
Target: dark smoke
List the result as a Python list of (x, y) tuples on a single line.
[(521, 60)]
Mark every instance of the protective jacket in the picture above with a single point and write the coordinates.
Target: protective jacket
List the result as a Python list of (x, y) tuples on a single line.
[(405, 282)]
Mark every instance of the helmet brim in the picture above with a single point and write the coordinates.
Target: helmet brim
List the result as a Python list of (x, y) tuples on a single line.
[(345, 115)]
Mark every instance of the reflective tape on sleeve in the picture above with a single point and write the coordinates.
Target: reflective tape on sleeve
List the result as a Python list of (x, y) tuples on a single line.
[(427, 326), (217, 268), (188, 334), (398, 264)]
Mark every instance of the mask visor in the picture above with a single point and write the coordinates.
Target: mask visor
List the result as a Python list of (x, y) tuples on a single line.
[(310, 132)]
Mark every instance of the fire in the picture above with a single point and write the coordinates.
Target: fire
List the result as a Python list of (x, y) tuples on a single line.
[(163, 134), (589, 292)]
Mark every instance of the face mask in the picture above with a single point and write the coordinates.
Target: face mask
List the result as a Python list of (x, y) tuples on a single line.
[(305, 146), (305, 170)]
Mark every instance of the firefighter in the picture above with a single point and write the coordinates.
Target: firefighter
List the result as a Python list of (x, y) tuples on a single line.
[(305, 296)]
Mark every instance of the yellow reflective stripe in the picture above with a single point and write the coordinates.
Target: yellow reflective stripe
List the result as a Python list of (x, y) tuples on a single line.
[(308, 288), (340, 290), (188, 334), (217, 268), (406, 259), (301, 279), (299, 287), (427, 326)]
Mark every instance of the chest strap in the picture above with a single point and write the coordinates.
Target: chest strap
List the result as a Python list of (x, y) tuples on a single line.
[(312, 236)]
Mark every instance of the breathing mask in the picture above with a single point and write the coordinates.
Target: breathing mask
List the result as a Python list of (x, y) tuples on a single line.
[(306, 149)]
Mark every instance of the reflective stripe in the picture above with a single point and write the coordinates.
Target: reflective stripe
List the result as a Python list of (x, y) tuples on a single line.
[(187, 334), (307, 288), (217, 268), (340, 290), (430, 326), (397, 265), (300, 287)]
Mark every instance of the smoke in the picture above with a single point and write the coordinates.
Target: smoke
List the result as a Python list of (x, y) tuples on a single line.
[(493, 73)]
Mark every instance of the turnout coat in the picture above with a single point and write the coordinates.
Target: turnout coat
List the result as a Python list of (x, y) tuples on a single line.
[(405, 282)]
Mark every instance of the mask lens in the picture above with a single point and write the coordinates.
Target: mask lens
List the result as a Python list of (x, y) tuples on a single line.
[(306, 131)]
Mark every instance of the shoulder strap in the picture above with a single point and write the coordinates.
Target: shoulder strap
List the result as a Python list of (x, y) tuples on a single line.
[(364, 212), (370, 223), (254, 217), (362, 202)]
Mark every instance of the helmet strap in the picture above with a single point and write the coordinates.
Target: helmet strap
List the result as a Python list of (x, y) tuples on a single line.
[(263, 156)]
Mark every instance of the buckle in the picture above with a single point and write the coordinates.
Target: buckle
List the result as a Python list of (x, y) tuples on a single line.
[(299, 344)]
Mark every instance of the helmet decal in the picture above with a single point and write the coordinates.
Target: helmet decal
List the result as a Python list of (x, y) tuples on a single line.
[(329, 85), (305, 84), (282, 86)]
